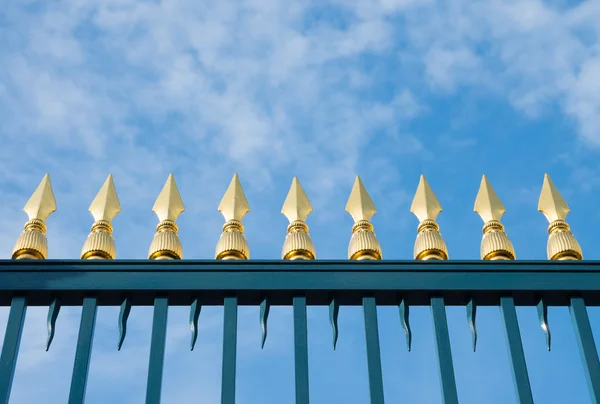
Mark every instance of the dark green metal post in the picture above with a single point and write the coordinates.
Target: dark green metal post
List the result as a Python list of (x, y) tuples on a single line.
[(229, 350), (157, 350), (10, 349), (301, 350), (587, 346), (84, 350), (373, 351), (515, 347), (442, 343)]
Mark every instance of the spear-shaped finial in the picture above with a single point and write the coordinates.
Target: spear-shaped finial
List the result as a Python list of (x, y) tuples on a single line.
[(233, 206), (100, 243), (562, 244), (495, 244), (298, 244), (363, 243), (32, 243), (426, 207), (166, 243)]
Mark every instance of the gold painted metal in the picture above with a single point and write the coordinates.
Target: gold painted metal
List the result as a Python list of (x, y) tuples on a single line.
[(298, 244), (166, 244), (495, 244), (363, 243), (100, 243), (562, 244), (32, 243), (429, 244), (232, 244)]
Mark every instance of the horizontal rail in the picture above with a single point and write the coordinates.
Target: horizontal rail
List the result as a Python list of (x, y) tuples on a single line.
[(251, 281)]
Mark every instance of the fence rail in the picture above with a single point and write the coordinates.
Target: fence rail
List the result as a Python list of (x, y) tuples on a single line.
[(506, 284)]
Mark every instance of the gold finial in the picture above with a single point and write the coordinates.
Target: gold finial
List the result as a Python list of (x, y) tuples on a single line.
[(298, 243), (363, 243), (562, 244), (429, 244), (233, 206), (495, 244), (100, 243), (32, 243), (168, 206)]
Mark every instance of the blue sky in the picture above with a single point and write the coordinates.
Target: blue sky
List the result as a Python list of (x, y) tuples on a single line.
[(388, 89)]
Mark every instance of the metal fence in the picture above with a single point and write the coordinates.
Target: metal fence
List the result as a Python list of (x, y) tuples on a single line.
[(161, 284)]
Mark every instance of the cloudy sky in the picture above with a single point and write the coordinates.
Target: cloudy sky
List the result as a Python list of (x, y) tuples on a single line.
[(324, 90)]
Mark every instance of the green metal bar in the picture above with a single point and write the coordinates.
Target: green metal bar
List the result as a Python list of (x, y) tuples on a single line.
[(84, 350), (587, 346), (157, 350), (515, 346), (229, 350), (373, 351), (10, 349), (301, 350), (442, 343)]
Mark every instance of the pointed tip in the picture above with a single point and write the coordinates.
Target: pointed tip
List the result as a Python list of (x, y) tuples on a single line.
[(425, 204), (105, 205), (487, 202), (42, 203), (551, 202), (360, 205), (168, 204), (234, 204), (297, 206)]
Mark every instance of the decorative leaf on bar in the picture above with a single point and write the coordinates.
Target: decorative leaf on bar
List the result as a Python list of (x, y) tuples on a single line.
[(53, 311), (471, 316), (194, 314), (265, 306), (123, 316), (334, 310), (404, 313), (542, 309)]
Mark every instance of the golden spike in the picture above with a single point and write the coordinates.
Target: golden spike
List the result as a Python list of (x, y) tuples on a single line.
[(363, 243), (234, 205), (495, 244), (32, 243), (166, 244), (100, 243), (562, 244), (298, 244), (429, 244)]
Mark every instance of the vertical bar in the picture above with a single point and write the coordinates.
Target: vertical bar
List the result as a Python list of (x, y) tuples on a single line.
[(229, 350), (442, 343), (301, 350), (84, 350), (10, 349), (157, 349), (373, 352), (515, 346), (587, 346)]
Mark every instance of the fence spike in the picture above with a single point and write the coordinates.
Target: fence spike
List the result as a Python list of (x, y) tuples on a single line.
[(363, 243), (100, 243), (194, 314), (426, 207), (168, 206), (32, 243), (53, 311), (265, 307), (404, 318), (562, 244), (334, 310), (123, 316), (471, 317), (298, 243), (542, 309), (233, 244)]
